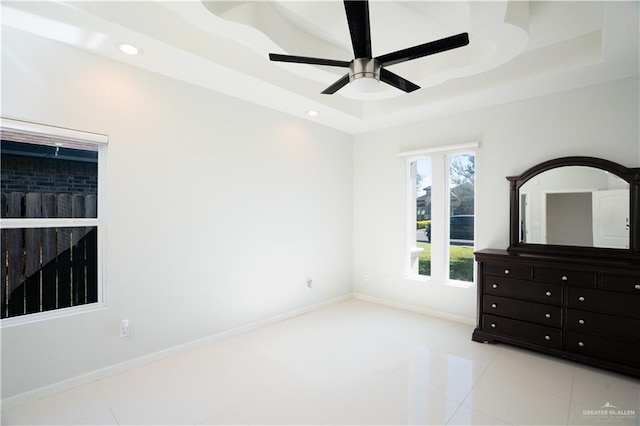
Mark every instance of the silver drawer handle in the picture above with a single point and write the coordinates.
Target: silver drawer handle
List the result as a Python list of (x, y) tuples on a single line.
[(637, 286), (493, 305), (506, 272), (581, 299), (493, 325), (580, 321), (547, 338), (580, 344), (548, 294), (547, 315), (496, 286), (564, 278)]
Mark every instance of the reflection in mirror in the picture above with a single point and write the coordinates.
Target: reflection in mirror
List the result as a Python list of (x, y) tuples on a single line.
[(575, 206)]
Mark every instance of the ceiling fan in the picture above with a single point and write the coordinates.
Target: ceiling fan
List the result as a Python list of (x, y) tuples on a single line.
[(366, 67)]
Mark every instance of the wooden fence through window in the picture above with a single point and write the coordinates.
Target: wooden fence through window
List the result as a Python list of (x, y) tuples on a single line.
[(48, 268)]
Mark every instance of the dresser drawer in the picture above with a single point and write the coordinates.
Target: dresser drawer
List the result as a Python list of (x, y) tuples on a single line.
[(622, 282), (602, 347), (604, 325), (621, 304), (532, 333), (521, 310), (506, 270), (562, 276), (520, 289)]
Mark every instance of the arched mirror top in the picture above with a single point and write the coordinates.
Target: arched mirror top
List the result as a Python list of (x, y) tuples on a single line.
[(576, 205), (625, 173)]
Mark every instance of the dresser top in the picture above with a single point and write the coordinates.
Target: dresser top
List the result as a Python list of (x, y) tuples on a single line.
[(612, 263)]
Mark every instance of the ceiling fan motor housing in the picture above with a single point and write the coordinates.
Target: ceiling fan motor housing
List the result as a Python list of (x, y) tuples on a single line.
[(364, 68)]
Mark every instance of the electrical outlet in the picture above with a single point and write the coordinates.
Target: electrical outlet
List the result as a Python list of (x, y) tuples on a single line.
[(124, 328), (309, 283)]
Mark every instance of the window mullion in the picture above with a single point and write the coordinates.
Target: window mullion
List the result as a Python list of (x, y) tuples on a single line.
[(438, 217)]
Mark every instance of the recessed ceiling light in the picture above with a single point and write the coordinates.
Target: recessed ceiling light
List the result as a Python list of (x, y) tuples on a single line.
[(312, 112), (129, 49)]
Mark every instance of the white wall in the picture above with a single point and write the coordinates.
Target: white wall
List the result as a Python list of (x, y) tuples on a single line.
[(219, 210), (600, 121)]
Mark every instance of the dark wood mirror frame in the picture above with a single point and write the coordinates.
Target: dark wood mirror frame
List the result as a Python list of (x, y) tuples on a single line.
[(630, 175)]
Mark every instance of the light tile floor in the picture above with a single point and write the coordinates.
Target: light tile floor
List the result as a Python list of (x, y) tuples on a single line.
[(351, 363)]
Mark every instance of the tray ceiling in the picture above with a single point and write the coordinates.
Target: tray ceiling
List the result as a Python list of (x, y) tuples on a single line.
[(517, 49)]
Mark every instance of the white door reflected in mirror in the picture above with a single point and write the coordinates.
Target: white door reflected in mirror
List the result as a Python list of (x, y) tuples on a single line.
[(611, 218)]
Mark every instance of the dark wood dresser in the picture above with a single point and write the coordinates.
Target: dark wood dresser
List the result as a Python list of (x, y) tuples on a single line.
[(586, 309)]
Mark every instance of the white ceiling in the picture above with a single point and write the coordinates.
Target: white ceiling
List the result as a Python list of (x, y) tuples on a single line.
[(517, 49)]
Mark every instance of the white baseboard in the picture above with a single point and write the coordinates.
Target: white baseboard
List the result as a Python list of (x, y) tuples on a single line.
[(102, 373), (413, 308)]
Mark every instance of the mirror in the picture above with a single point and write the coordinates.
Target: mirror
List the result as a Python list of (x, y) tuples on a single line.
[(575, 206), (581, 205)]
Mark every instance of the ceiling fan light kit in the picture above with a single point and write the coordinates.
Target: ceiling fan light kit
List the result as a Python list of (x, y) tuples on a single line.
[(364, 74), (364, 70)]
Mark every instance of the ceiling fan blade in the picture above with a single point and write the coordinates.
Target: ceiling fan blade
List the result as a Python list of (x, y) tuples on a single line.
[(306, 60), (397, 81), (359, 27), (336, 86), (426, 49)]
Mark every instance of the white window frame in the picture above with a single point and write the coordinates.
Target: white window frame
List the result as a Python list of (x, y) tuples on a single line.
[(440, 205), (75, 139)]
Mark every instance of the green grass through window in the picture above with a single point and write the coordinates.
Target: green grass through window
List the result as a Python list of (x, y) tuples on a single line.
[(460, 267)]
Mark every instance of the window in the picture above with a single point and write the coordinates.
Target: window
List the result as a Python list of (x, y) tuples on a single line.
[(461, 187), (421, 197), (440, 213), (51, 220)]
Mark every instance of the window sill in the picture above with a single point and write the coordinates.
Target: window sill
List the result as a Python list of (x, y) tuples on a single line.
[(50, 315), (416, 277), (460, 284)]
